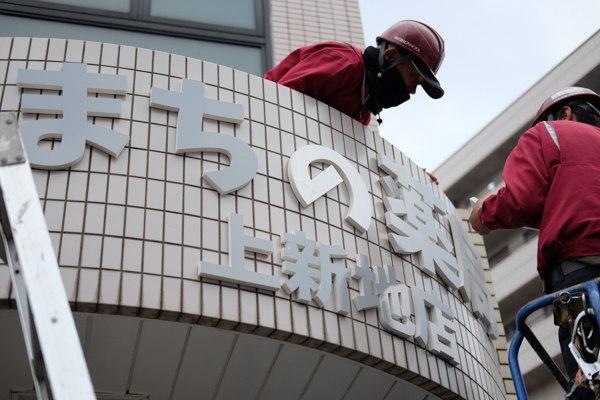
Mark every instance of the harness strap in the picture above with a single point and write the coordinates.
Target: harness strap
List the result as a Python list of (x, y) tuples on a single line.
[(552, 133)]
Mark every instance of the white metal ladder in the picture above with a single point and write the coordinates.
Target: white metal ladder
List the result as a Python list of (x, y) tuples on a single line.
[(57, 362)]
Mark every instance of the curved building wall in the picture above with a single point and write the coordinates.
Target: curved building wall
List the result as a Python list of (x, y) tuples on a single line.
[(130, 231)]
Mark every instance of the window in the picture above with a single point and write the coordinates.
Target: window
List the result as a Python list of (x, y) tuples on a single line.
[(229, 32)]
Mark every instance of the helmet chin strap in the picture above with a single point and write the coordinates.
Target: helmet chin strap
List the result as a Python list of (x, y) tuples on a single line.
[(383, 46)]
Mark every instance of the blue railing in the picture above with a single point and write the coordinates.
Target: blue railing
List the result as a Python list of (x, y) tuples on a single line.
[(523, 331)]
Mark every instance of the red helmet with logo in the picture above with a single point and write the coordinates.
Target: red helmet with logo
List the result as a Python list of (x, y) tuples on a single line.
[(425, 44), (562, 98)]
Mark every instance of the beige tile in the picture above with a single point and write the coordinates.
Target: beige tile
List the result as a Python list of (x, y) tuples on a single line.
[(266, 315), (155, 196), (248, 311), (57, 185), (190, 262), (131, 290), (171, 296), (153, 229), (161, 62), (191, 299), (56, 50), (152, 258), (332, 331), (132, 255), (283, 319), (92, 52), (211, 74), (230, 308), (110, 285), (174, 197), (110, 54), (126, 56), (173, 228), (69, 278), (89, 283), (256, 86), (194, 69), (172, 264), (177, 66), (91, 251), (70, 249), (316, 325), (38, 48), (211, 304), (5, 44), (138, 163), (347, 341), (151, 292), (54, 212), (360, 337), (374, 342)]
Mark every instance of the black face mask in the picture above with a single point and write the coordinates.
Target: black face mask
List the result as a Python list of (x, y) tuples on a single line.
[(391, 89), (386, 86)]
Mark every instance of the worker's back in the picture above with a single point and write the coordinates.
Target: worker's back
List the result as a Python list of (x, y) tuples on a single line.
[(570, 225)]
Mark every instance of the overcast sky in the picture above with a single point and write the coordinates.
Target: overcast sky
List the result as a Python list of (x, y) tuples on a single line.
[(495, 51)]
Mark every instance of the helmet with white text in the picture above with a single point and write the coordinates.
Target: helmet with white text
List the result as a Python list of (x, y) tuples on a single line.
[(425, 45), (583, 98)]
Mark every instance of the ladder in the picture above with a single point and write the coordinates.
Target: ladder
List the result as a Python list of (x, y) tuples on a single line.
[(56, 359)]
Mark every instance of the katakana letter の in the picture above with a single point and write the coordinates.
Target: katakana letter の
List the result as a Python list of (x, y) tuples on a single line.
[(235, 272), (307, 189), (75, 106), (193, 107), (410, 205)]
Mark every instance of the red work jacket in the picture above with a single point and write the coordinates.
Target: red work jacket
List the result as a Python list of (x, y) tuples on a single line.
[(331, 72), (552, 183)]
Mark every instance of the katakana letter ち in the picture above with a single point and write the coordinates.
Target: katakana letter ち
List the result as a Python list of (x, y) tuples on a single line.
[(75, 106), (192, 108)]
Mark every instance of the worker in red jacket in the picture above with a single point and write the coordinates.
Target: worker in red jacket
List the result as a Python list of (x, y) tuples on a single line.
[(553, 183), (359, 83)]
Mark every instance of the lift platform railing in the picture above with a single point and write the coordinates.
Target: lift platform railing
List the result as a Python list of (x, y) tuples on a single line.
[(524, 332)]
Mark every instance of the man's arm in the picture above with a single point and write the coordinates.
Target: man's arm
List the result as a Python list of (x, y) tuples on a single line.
[(521, 202)]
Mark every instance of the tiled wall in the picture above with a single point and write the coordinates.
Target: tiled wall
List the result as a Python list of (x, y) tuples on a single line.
[(129, 231), (297, 23)]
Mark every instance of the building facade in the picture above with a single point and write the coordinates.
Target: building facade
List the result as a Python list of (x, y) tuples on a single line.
[(512, 253), (221, 236)]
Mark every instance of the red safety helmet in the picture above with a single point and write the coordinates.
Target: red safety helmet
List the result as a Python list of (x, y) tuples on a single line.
[(424, 43), (562, 98)]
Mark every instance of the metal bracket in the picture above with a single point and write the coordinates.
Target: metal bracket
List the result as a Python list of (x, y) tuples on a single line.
[(11, 147)]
